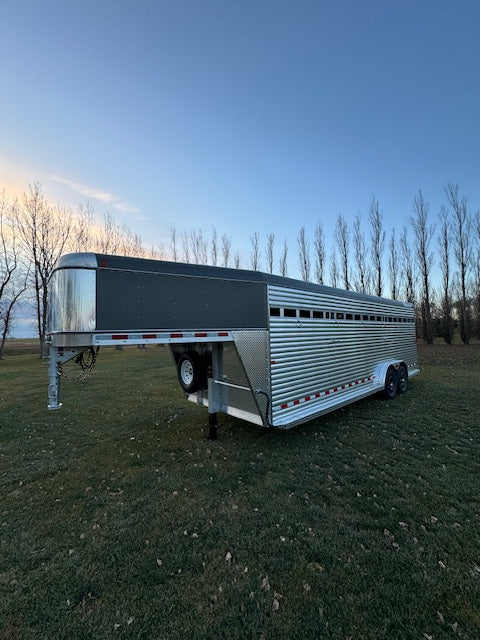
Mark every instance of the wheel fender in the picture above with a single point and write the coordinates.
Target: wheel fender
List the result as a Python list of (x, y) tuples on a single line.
[(382, 368)]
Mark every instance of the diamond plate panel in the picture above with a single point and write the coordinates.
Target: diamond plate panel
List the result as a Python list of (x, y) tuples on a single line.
[(254, 352)]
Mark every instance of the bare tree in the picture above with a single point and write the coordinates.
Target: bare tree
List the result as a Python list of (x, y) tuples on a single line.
[(407, 267), (194, 243), (214, 247), (333, 269), (9, 254), (13, 273), (476, 275), (157, 252), (133, 244), (304, 255), (423, 236), (319, 248), (255, 254), (186, 246), (128, 243), (269, 251), (236, 260), (446, 298), (342, 240), (393, 261), (226, 248), (283, 267), (198, 246), (44, 232), (361, 279), (462, 246), (83, 236), (173, 244), (377, 236), (203, 248), (110, 237)]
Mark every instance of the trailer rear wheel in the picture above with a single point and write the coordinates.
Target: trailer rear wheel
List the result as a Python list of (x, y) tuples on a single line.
[(391, 384), (402, 379), (191, 372)]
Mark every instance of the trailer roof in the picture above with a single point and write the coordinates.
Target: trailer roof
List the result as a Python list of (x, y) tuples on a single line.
[(139, 265)]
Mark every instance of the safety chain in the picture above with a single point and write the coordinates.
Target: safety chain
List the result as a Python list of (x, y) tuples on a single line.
[(86, 360)]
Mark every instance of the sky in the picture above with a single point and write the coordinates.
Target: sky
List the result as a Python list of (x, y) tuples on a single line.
[(252, 116)]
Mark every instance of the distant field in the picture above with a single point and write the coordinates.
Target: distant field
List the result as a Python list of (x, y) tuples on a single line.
[(119, 519), (20, 346)]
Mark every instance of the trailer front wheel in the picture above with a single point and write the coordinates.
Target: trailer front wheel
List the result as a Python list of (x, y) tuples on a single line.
[(191, 372)]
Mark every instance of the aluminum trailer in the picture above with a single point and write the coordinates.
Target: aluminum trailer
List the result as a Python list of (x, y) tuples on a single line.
[(271, 350)]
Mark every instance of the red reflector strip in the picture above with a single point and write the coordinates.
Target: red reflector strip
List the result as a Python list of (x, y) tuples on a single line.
[(164, 337), (327, 392)]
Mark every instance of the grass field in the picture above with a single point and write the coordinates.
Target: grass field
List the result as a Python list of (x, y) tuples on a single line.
[(119, 519)]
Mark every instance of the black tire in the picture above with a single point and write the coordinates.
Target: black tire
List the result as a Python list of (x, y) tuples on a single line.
[(391, 384), (191, 372), (402, 379)]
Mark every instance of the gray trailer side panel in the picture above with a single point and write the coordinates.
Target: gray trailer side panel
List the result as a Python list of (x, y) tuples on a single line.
[(147, 301)]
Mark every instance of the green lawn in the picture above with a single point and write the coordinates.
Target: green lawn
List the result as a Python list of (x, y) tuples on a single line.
[(119, 519)]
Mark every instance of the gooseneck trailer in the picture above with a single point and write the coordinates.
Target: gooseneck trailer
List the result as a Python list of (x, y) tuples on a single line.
[(271, 350)]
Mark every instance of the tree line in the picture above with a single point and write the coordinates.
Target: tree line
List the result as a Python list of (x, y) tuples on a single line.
[(361, 257)]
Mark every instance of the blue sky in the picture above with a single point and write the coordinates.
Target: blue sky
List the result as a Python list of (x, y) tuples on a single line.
[(247, 116)]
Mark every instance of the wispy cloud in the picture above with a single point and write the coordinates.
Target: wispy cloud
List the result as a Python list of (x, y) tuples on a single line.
[(93, 193)]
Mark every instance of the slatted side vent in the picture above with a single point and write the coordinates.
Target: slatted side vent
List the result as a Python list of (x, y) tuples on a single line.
[(325, 348), (315, 314)]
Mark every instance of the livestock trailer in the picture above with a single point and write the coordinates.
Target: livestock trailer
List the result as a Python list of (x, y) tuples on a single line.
[(271, 350)]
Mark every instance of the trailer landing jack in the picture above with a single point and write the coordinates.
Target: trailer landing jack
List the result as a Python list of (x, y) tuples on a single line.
[(212, 426)]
